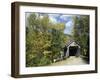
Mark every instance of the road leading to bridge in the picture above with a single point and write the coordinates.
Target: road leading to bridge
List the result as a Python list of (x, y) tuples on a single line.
[(72, 60)]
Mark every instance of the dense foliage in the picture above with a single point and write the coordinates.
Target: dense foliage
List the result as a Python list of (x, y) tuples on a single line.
[(44, 40), (81, 34)]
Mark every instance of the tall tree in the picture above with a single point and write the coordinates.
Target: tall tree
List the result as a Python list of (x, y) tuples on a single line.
[(81, 33)]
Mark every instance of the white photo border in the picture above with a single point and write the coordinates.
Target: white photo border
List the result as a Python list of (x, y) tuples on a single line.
[(54, 69)]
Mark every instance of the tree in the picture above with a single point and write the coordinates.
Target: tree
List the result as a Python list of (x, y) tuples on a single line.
[(57, 40), (44, 40), (37, 41), (81, 33)]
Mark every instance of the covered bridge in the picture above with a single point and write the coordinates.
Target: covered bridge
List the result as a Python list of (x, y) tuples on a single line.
[(71, 49)]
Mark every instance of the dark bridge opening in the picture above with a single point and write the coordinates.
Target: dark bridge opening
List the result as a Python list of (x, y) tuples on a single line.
[(73, 50)]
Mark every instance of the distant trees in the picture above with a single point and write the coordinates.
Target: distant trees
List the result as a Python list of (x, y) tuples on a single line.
[(44, 40)]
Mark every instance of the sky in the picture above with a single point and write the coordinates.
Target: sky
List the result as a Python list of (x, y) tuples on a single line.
[(62, 18)]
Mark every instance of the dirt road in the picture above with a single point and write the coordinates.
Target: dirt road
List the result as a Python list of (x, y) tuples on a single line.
[(72, 60)]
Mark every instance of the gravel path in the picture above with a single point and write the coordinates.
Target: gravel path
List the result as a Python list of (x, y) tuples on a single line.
[(72, 60)]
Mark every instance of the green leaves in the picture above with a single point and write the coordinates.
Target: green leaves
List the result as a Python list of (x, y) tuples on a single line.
[(81, 33), (44, 40)]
